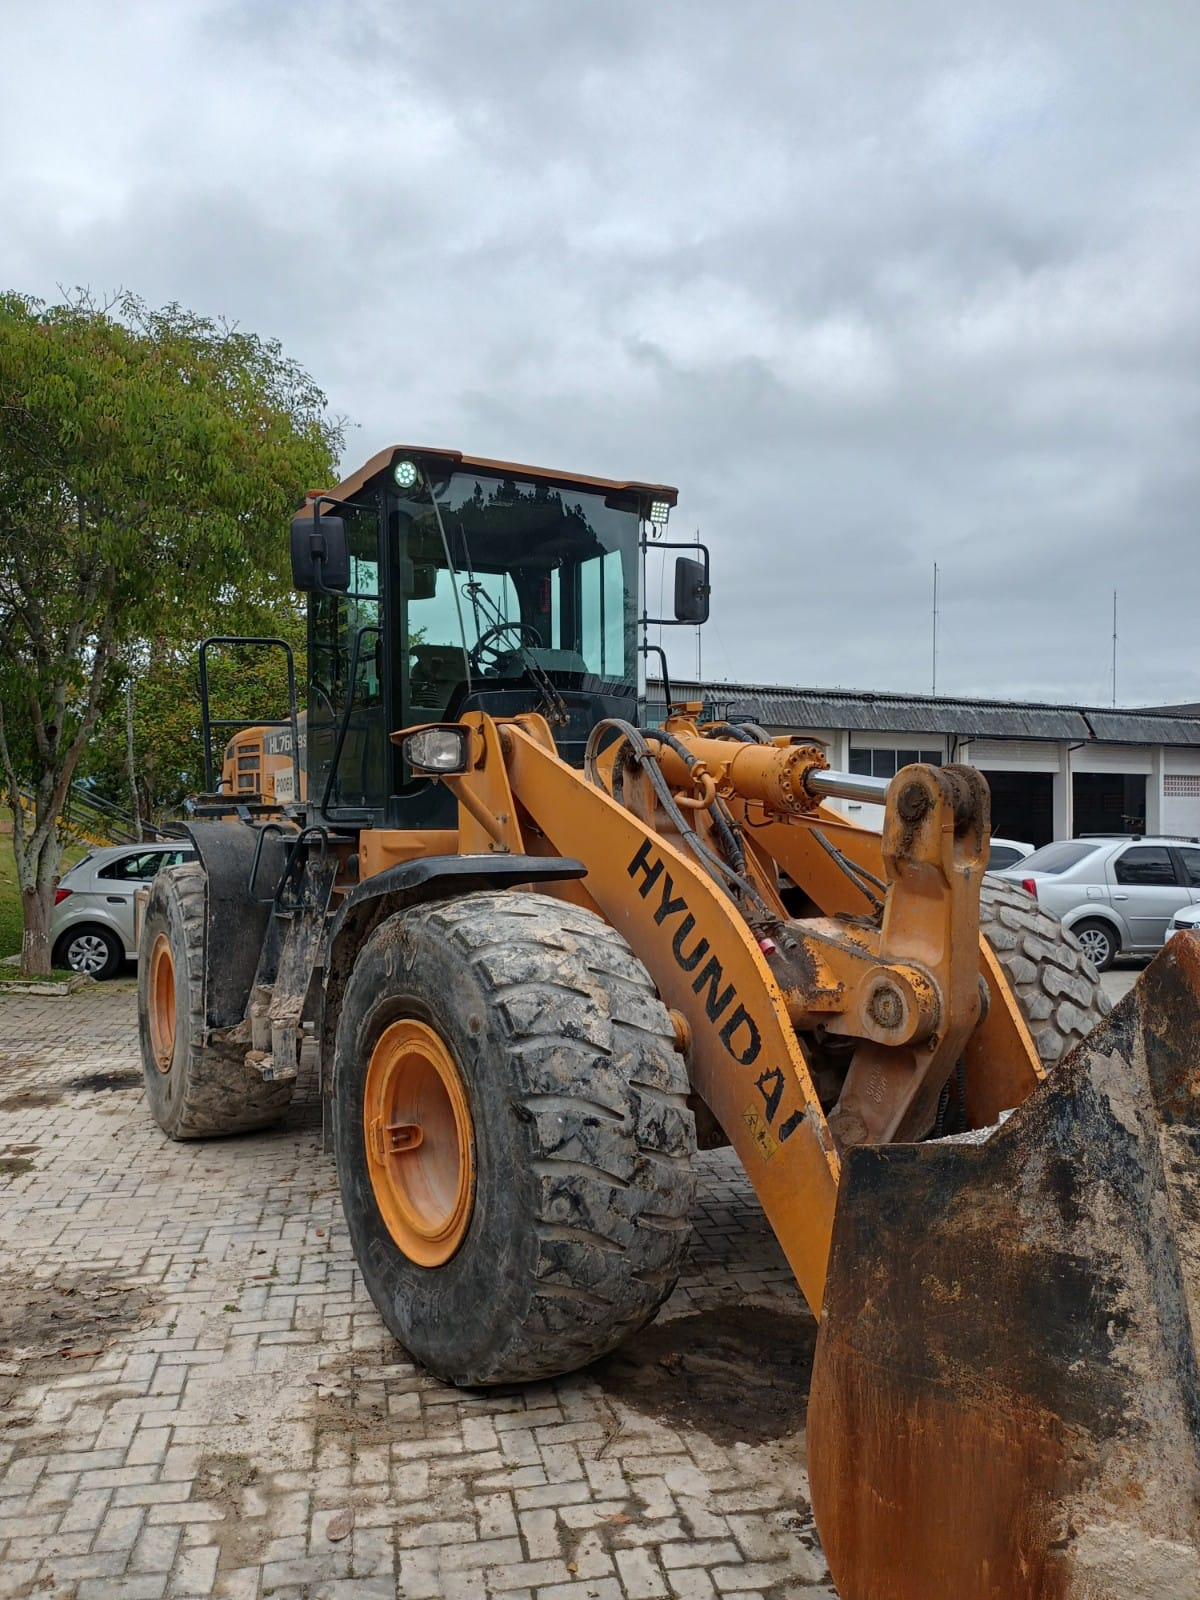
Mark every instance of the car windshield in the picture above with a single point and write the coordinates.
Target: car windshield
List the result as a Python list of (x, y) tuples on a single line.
[(1055, 858)]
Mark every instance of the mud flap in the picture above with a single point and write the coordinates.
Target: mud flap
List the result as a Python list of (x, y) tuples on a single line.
[(1005, 1401)]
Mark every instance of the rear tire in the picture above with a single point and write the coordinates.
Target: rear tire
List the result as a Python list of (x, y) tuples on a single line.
[(1056, 987), (1098, 942), (560, 1226), (91, 950), (195, 1089)]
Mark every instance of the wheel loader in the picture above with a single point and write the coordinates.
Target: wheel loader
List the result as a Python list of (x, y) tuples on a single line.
[(546, 949)]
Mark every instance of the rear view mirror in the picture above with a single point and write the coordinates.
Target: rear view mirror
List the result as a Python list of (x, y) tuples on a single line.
[(691, 589), (320, 553)]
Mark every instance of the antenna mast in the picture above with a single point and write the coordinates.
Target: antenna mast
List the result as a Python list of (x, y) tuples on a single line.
[(935, 623), (1114, 665)]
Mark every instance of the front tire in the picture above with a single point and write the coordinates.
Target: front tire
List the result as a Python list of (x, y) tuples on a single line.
[(196, 1089), (513, 1139)]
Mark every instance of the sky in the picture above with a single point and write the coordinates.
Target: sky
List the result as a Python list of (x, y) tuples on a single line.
[(876, 286)]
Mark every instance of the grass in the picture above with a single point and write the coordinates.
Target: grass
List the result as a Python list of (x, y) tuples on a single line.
[(10, 895), (13, 975)]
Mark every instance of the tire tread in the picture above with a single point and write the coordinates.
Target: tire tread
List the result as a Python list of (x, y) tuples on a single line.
[(221, 1094), (1055, 985)]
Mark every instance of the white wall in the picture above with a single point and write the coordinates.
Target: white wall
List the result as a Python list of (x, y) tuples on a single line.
[(1173, 774)]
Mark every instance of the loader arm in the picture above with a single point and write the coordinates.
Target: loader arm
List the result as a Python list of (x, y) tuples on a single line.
[(741, 979)]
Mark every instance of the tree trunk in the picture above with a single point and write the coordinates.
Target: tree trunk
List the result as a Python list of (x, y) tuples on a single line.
[(36, 906), (135, 804)]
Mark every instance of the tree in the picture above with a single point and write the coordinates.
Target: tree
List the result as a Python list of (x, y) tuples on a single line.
[(149, 463)]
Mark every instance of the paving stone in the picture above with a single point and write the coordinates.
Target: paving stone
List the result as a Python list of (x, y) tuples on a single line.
[(193, 1459)]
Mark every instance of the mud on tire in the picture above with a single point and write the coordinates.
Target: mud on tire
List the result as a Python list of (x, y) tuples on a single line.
[(1055, 985), (195, 1090), (582, 1135)]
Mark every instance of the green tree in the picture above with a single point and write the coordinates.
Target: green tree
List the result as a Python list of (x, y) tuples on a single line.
[(149, 463)]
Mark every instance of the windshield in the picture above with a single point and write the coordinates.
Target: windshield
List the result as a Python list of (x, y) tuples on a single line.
[(1055, 858), (516, 579)]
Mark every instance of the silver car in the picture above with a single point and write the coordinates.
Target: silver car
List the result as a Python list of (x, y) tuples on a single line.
[(1116, 894), (91, 929)]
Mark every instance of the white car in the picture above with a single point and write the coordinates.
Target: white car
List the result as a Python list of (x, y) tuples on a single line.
[(1186, 918), (91, 926), (1006, 853)]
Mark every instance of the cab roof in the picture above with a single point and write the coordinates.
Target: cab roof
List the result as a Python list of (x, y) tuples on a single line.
[(455, 459)]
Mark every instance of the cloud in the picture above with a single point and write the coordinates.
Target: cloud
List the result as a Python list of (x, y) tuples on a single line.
[(876, 288)]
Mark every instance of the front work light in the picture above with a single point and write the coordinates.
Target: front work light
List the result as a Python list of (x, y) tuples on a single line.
[(438, 751), (407, 474), (659, 512)]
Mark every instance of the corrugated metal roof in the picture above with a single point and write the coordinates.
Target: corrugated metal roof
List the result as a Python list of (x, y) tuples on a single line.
[(1140, 727), (861, 711)]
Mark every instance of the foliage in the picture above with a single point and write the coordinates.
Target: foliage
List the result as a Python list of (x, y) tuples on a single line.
[(149, 462), (10, 893)]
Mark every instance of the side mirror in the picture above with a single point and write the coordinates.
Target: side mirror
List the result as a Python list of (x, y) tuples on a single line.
[(692, 589), (320, 552), (424, 581)]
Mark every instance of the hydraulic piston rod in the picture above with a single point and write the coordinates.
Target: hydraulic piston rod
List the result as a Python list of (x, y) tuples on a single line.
[(822, 784)]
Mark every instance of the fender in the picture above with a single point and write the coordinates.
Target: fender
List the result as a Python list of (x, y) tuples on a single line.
[(413, 883), (236, 926)]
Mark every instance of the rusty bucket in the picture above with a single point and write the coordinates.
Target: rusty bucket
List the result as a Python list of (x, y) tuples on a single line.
[(1005, 1400)]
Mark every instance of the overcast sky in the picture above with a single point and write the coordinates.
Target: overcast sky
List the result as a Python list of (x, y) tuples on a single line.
[(875, 285)]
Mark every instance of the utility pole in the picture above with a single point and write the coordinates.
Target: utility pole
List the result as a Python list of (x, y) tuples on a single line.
[(935, 623), (1114, 666)]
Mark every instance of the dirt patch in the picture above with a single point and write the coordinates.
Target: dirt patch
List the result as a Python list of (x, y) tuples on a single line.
[(15, 1166), (47, 1328), (14, 1067), (97, 1082), (30, 1099), (739, 1374), (223, 1480)]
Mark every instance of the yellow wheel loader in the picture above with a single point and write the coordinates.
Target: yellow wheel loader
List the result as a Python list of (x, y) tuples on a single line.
[(547, 949)]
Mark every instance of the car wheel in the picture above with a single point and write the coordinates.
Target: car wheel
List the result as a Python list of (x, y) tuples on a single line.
[(91, 950), (1099, 943)]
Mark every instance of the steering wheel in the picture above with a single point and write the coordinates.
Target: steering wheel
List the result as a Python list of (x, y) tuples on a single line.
[(485, 653)]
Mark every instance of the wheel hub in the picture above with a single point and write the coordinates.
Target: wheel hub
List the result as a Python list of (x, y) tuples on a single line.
[(420, 1142), (87, 954), (161, 996)]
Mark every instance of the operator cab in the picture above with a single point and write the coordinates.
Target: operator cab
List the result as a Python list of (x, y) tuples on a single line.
[(440, 584)]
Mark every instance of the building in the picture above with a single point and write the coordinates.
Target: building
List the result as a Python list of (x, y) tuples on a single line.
[(1055, 771)]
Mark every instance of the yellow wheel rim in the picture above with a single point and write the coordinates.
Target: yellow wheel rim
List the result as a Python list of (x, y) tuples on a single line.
[(162, 1003), (420, 1142)]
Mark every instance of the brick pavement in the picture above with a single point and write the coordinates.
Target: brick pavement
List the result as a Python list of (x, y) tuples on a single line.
[(197, 1397)]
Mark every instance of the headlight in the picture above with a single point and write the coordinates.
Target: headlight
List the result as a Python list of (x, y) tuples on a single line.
[(438, 750)]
